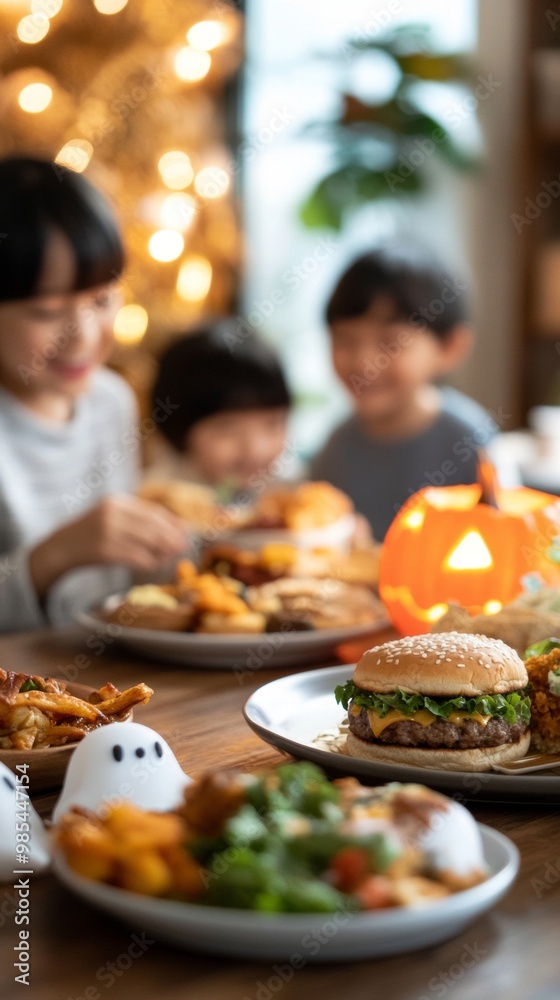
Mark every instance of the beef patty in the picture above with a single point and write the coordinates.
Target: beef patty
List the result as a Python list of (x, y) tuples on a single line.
[(440, 733)]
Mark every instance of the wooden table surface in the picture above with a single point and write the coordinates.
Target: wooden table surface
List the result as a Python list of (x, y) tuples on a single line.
[(78, 952)]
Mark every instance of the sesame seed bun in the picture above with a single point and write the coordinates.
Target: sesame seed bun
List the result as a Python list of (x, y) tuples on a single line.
[(472, 759), (443, 664)]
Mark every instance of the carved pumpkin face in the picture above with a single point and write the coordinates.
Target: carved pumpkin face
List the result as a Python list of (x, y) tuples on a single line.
[(445, 546)]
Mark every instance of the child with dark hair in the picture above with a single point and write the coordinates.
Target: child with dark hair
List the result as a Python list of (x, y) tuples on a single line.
[(69, 533), (229, 423), (398, 325)]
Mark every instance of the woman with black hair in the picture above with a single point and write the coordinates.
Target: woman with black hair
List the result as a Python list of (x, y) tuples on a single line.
[(69, 533), (230, 403)]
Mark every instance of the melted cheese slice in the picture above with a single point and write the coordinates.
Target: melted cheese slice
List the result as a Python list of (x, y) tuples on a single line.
[(422, 717)]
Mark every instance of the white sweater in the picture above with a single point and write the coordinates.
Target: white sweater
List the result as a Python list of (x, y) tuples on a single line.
[(53, 473)]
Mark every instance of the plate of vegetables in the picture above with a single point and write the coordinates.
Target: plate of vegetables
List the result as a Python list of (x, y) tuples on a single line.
[(286, 865)]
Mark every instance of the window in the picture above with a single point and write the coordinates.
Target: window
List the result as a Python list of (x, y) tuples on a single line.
[(298, 60)]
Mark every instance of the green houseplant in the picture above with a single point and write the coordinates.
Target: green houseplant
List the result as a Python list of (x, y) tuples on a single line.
[(383, 150)]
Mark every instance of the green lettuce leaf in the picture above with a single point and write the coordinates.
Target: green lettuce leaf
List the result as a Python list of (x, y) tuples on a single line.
[(541, 648), (510, 707)]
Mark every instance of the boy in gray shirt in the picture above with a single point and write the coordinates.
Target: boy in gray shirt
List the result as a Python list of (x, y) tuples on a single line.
[(398, 325)]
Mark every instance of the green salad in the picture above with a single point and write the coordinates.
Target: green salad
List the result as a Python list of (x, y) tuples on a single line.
[(285, 848)]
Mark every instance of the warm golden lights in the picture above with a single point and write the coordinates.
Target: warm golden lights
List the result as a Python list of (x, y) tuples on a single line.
[(191, 64), (492, 607), (35, 98), (131, 323), (175, 170), (206, 35), (109, 6), (195, 278), (33, 28), (211, 182), (178, 211), (166, 245), (50, 8), (75, 154)]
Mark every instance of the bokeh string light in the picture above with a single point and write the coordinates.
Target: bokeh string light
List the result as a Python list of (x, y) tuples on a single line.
[(134, 95)]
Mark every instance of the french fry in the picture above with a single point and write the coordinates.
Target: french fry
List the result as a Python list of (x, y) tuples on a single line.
[(140, 694), (47, 715), (61, 704)]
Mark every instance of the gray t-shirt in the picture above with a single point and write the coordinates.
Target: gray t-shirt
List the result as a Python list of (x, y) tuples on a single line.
[(53, 473), (380, 475)]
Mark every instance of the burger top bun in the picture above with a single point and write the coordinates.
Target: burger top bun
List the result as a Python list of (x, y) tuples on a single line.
[(442, 664)]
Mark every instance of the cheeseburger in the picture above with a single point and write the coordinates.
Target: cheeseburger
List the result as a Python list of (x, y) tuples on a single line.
[(450, 700)]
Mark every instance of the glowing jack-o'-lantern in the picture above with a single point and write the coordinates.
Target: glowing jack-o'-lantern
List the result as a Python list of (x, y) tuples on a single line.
[(447, 545)]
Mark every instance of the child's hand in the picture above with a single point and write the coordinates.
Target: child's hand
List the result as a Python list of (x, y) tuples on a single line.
[(121, 530)]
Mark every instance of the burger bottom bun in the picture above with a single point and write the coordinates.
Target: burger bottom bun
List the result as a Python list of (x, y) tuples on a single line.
[(478, 759)]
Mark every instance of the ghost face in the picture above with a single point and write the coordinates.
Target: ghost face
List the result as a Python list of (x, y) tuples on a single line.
[(123, 761), (17, 811)]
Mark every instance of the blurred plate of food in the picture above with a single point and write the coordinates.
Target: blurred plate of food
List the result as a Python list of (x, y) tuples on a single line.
[(42, 719), (299, 715), (209, 618), (276, 560), (306, 515), (285, 865)]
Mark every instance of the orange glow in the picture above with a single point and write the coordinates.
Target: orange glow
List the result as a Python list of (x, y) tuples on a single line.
[(492, 607), (471, 552)]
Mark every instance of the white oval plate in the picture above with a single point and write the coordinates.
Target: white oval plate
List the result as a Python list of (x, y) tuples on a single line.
[(244, 653), (318, 937), (291, 712)]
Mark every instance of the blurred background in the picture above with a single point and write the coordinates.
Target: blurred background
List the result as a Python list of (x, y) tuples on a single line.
[(252, 149)]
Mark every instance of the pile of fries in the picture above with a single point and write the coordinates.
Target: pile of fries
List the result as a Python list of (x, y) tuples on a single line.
[(39, 712), (140, 851)]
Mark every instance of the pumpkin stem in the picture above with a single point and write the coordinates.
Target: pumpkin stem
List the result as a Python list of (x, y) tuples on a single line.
[(488, 480)]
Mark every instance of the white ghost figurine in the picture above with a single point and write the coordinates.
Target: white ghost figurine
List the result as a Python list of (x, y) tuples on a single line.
[(122, 762), (30, 841), (452, 842)]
